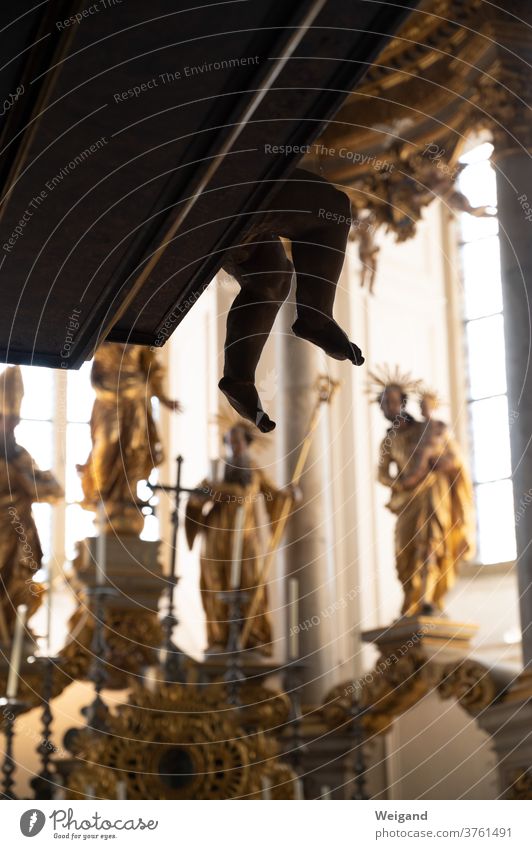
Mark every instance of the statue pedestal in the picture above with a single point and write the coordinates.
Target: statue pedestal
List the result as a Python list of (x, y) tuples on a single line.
[(133, 629), (434, 635), (132, 569)]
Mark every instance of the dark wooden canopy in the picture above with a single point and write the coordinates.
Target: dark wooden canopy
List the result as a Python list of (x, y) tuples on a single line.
[(138, 143)]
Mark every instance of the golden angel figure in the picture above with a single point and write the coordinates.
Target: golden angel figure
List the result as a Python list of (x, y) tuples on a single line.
[(21, 484), (213, 515), (431, 495), (126, 445)]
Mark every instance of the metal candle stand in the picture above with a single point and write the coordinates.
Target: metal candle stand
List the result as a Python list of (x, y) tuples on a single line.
[(294, 681), (11, 708), (359, 763), (172, 660), (96, 713), (236, 602), (43, 784)]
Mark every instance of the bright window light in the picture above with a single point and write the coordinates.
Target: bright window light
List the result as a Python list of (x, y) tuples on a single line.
[(55, 429), (484, 332)]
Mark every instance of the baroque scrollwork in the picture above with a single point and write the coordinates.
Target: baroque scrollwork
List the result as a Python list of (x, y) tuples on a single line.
[(382, 694), (132, 639), (169, 743), (397, 682), (520, 787), (471, 684), (420, 109)]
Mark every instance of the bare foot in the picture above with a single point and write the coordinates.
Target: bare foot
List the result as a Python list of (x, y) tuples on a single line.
[(328, 335), (244, 398)]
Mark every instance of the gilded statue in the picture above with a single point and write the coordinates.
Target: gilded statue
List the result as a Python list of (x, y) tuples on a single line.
[(363, 231), (126, 445), (21, 484), (394, 197), (431, 494), (315, 218), (212, 514)]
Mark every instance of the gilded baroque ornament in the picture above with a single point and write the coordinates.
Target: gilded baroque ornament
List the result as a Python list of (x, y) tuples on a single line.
[(382, 694), (472, 685), (181, 742), (454, 69), (92, 781), (132, 641), (520, 785), (399, 681), (263, 707)]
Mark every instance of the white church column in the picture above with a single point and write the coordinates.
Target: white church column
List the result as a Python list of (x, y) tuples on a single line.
[(513, 146), (308, 547)]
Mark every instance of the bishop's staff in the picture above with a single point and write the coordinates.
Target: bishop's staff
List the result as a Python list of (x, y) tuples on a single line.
[(325, 388)]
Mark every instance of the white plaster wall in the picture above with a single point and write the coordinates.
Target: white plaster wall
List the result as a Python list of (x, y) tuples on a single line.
[(436, 751), (488, 595)]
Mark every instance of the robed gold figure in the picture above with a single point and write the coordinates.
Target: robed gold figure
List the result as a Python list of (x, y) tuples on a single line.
[(126, 445), (21, 484), (431, 495), (213, 515)]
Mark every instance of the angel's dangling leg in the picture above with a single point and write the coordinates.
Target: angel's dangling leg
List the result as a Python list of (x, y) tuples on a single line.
[(265, 279), (317, 219)]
